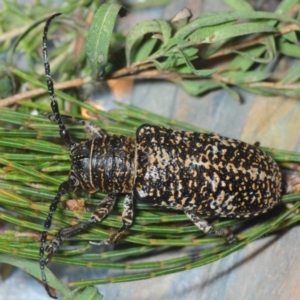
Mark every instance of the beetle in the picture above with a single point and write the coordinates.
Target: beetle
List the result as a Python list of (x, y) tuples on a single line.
[(199, 174)]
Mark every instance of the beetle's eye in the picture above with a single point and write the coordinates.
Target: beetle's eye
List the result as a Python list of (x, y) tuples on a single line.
[(73, 180)]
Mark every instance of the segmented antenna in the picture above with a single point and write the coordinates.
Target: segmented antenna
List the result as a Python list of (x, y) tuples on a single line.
[(63, 189), (64, 133)]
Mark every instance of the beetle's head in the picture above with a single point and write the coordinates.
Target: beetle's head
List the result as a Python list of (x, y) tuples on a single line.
[(80, 176)]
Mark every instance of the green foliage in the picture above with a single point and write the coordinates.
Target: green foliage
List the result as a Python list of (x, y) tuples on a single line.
[(6, 81), (33, 162), (178, 50), (99, 37)]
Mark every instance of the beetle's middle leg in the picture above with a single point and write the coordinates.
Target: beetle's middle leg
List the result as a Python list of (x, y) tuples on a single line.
[(100, 213), (91, 129), (204, 226), (127, 217)]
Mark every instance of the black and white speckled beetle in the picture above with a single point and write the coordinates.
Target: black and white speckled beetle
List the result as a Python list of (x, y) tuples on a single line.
[(200, 174)]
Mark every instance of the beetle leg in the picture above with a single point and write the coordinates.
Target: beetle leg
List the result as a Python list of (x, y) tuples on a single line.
[(63, 189), (204, 226), (127, 217), (91, 129), (99, 214)]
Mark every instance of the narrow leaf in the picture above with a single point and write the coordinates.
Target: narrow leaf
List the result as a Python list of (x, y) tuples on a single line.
[(238, 30), (145, 50), (197, 87), (198, 36), (87, 293), (240, 5), (201, 73), (99, 37), (219, 18), (136, 33), (246, 77), (177, 58), (33, 269), (291, 36), (288, 49), (172, 43), (291, 76), (235, 95), (285, 6), (166, 30), (7, 83), (245, 59)]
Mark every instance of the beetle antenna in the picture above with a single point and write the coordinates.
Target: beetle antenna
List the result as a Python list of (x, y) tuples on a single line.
[(63, 189), (64, 133)]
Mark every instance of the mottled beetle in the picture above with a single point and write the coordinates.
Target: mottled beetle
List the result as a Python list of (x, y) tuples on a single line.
[(200, 174)]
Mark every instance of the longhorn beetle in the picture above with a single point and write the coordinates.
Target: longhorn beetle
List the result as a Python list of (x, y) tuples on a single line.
[(200, 174)]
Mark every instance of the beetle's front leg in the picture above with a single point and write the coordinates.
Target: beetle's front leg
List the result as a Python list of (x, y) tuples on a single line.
[(100, 213), (91, 129), (204, 226), (127, 217)]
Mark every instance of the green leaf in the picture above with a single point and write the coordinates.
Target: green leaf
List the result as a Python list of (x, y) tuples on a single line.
[(99, 36), (235, 95), (33, 268), (291, 76), (288, 49), (166, 30), (291, 37), (285, 6), (172, 43), (182, 69), (204, 72), (219, 18), (247, 58), (200, 34), (240, 5), (271, 47), (188, 52), (177, 57), (145, 50), (6, 81), (237, 77), (201, 73), (135, 5), (266, 91), (197, 87), (87, 293), (136, 34), (161, 66), (238, 30)]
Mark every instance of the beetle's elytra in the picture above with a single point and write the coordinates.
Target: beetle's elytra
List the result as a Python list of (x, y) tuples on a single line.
[(200, 174), (204, 173)]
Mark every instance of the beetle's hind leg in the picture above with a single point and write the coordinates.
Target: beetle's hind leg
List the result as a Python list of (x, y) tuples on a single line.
[(91, 129), (207, 228), (127, 217)]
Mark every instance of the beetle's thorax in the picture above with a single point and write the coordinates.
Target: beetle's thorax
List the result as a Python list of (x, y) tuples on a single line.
[(104, 164)]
